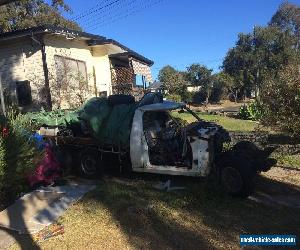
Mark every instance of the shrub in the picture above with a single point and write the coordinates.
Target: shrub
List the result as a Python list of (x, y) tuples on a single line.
[(252, 111), (173, 97), (199, 97), (280, 97), (18, 155)]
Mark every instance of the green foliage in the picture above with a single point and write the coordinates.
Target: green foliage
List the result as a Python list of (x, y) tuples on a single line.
[(166, 73), (287, 18), (29, 13), (174, 82), (200, 75), (56, 117), (199, 97), (281, 100), (264, 51), (18, 156), (253, 111), (266, 62), (173, 97)]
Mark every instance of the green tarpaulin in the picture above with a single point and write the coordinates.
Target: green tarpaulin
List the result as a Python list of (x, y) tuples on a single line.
[(108, 124)]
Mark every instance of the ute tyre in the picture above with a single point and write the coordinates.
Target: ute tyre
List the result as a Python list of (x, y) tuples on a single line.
[(89, 164), (238, 178)]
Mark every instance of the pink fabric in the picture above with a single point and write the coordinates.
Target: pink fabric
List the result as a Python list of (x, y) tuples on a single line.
[(48, 170)]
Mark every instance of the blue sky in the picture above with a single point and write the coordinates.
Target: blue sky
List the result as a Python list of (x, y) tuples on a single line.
[(174, 32)]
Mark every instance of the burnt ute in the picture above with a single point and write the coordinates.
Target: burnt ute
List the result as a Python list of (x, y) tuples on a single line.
[(149, 136)]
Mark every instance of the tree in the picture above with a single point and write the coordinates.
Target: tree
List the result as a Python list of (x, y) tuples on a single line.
[(287, 18), (281, 100), (225, 85), (200, 75), (262, 52), (29, 13), (166, 73), (239, 63), (174, 82)]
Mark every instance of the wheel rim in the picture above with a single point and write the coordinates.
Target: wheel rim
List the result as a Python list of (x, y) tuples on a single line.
[(232, 179), (88, 164)]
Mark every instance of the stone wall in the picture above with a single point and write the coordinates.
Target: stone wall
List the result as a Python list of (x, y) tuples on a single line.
[(283, 143)]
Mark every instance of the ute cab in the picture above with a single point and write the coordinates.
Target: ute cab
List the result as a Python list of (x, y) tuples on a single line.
[(162, 143)]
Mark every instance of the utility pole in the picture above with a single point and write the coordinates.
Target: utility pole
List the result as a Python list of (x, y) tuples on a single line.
[(2, 97)]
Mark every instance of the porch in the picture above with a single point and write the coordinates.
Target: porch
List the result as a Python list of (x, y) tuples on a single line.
[(130, 74)]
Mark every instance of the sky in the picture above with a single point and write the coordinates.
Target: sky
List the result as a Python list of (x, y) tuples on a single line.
[(174, 32)]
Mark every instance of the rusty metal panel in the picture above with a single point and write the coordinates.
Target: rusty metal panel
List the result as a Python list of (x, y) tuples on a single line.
[(141, 69), (122, 79)]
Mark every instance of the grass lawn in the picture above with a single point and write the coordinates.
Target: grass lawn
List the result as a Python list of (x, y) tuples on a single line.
[(131, 214), (288, 160), (238, 125), (231, 124)]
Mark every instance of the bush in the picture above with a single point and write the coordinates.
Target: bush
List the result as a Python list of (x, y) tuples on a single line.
[(18, 155), (56, 117), (199, 97), (280, 97), (173, 97), (252, 111)]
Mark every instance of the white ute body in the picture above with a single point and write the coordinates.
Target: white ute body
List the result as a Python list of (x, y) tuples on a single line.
[(139, 149)]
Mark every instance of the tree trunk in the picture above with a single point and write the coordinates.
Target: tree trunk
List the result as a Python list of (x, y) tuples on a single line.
[(236, 96)]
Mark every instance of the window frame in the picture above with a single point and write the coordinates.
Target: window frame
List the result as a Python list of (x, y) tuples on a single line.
[(18, 95), (74, 60)]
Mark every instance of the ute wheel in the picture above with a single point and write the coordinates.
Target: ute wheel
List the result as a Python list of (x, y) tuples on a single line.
[(237, 178), (89, 164)]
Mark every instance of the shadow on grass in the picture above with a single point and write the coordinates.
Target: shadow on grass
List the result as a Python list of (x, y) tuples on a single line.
[(200, 217)]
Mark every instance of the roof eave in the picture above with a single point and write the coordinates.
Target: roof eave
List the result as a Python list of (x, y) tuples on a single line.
[(48, 29), (129, 52)]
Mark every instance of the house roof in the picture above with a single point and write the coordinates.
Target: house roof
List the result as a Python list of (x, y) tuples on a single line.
[(132, 54), (92, 39), (129, 53), (155, 85), (48, 29), (2, 2)]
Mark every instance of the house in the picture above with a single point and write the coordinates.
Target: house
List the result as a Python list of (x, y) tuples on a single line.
[(156, 87), (55, 67), (193, 89)]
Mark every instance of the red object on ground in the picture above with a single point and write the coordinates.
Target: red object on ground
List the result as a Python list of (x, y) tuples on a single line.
[(48, 171), (5, 132)]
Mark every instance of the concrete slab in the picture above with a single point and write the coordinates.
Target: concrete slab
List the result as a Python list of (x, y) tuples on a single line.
[(72, 193), (17, 216), (40, 208)]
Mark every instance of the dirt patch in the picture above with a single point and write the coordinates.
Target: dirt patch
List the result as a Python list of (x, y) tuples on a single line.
[(280, 186), (285, 175)]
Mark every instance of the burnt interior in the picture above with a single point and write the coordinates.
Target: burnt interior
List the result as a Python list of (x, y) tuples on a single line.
[(166, 140)]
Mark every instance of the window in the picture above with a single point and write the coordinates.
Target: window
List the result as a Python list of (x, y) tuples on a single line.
[(70, 70), (139, 80), (23, 93)]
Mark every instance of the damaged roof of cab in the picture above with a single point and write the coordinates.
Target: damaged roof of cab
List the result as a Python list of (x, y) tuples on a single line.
[(165, 105), (90, 39)]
